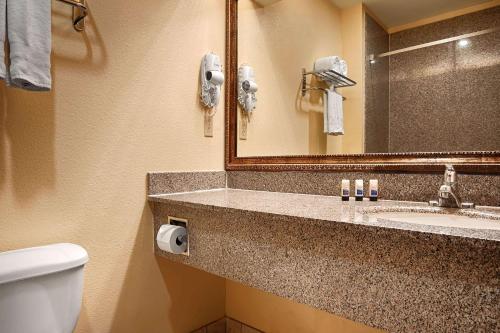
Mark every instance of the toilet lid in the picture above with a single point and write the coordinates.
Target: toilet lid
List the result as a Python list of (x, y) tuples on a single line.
[(35, 261)]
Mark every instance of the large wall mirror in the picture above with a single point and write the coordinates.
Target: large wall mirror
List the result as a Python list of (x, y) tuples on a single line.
[(374, 84)]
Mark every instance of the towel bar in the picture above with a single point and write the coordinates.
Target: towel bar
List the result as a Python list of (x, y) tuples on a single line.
[(371, 57), (80, 12), (319, 88)]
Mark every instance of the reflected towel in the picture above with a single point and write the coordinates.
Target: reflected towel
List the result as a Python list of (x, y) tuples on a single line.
[(333, 114), (29, 35), (327, 63), (3, 25), (343, 67)]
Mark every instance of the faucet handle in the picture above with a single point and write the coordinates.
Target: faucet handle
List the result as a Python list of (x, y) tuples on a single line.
[(450, 176)]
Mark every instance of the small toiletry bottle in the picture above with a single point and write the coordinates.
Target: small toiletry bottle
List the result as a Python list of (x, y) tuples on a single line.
[(358, 189), (344, 192), (373, 190)]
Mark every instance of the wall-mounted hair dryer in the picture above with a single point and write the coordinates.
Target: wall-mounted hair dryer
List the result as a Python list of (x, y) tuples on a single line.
[(247, 88), (211, 80)]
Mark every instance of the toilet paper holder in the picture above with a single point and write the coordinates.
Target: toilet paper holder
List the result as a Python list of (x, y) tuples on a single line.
[(177, 221), (181, 223)]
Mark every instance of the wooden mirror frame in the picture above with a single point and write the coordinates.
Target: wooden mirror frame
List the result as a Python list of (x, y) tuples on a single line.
[(467, 162)]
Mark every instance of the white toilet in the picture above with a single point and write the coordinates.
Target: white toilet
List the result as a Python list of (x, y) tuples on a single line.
[(41, 288)]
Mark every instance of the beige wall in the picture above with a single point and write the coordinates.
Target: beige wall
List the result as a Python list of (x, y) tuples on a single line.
[(73, 162), (278, 41), (278, 45), (271, 313), (352, 142)]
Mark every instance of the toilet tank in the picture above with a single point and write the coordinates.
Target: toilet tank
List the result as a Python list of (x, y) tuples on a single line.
[(41, 288)]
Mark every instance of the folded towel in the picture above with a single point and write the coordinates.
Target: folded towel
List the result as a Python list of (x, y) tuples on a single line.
[(333, 114), (331, 63), (3, 25), (327, 63), (29, 34)]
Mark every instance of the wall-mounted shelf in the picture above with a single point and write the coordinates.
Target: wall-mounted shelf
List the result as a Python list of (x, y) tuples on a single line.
[(331, 77)]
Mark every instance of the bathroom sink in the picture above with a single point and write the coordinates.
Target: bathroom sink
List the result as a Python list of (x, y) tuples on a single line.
[(484, 221)]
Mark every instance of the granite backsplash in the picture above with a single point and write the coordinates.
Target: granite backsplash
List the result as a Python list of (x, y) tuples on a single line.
[(481, 189)]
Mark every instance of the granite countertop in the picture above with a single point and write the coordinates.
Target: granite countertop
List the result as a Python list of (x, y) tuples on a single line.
[(332, 209), (337, 257)]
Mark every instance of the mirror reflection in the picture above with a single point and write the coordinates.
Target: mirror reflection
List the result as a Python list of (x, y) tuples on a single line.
[(383, 76)]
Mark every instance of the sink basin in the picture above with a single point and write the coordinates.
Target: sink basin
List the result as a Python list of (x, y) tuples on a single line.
[(439, 219)]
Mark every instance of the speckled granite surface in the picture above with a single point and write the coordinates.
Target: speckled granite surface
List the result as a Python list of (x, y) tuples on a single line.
[(322, 252), (435, 103), (376, 88), (174, 182), (328, 208), (480, 189)]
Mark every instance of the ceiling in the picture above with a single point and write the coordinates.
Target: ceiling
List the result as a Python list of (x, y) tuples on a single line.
[(393, 13)]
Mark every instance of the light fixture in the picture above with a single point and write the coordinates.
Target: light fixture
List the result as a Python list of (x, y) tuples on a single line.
[(463, 43), (371, 59)]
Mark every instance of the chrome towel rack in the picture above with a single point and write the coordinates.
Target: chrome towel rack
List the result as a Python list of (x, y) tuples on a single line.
[(333, 78), (321, 89), (80, 12)]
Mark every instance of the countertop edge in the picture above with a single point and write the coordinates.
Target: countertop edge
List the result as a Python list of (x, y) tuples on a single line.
[(478, 236)]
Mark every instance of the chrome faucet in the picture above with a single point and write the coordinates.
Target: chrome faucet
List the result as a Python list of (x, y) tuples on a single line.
[(447, 194)]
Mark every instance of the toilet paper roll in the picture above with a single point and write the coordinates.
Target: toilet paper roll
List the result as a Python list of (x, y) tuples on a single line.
[(215, 77), (250, 86), (172, 238)]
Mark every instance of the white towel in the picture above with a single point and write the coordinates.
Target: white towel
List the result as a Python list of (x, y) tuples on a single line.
[(29, 35), (327, 63), (333, 114), (343, 67), (3, 25)]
